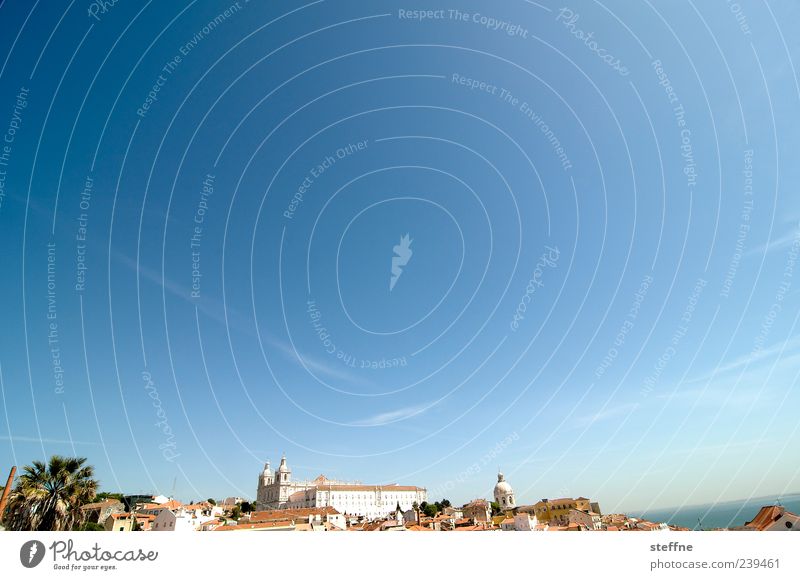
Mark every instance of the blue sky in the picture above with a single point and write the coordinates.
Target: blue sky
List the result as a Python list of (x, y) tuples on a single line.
[(601, 297)]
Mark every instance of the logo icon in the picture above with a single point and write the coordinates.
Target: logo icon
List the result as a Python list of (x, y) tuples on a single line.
[(402, 255), (31, 553)]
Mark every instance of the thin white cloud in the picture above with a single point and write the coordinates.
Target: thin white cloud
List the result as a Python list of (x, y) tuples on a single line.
[(607, 413), (775, 244), (235, 320), (25, 439), (391, 416), (786, 349)]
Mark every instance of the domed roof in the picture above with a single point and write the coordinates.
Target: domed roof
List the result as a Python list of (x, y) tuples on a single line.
[(502, 487), (283, 468)]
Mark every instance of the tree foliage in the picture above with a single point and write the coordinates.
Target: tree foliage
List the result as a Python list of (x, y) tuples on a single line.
[(48, 497)]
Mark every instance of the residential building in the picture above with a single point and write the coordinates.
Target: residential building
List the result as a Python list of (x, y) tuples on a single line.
[(774, 518), (120, 522), (525, 523), (586, 519), (327, 517), (98, 512), (478, 511), (555, 512)]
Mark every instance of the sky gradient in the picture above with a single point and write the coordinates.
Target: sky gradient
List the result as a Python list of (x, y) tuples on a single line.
[(598, 294)]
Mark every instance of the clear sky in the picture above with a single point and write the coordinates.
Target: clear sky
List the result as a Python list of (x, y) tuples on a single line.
[(202, 215)]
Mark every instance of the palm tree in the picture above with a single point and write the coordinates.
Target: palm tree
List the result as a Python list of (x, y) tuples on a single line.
[(49, 497)]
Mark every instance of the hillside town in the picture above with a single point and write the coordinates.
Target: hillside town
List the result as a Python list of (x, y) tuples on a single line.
[(326, 505)]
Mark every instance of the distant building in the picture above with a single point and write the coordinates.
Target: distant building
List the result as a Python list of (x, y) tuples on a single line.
[(278, 491), (586, 519), (555, 512), (123, 522), (99, 512), (774, 518), (525, 523), (478, 511)]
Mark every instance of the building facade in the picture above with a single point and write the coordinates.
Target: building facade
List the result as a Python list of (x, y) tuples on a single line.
[(278, 491)]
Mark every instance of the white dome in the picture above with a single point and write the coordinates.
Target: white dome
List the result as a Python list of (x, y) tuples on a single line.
[(503, 488)]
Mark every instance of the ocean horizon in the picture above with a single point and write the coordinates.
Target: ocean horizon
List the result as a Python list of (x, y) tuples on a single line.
[(726, 514)]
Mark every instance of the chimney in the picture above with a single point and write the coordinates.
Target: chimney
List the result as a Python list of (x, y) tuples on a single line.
[(7, 490)]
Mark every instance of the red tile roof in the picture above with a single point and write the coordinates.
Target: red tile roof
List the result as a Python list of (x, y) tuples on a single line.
[(258, 526)]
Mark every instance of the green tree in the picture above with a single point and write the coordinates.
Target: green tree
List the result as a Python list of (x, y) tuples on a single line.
[(445, 503), (91, 527), (429, 509), (247, 507), (212, 501), (48, 497), (102, 496), (236, 512), (495, 508)]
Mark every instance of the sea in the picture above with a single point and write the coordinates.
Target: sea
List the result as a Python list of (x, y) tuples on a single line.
[(726, 514)]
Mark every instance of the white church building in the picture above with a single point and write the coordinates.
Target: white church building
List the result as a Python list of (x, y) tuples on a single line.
[(278, 491), (504, 494)]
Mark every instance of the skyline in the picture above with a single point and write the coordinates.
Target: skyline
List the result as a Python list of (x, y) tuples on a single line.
[(204, 210)]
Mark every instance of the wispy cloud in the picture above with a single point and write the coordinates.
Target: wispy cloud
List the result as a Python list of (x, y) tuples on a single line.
[(391, 416), (607, 413), (779, 243), (320, 365), (786, 349), (216, 311), (25, 439)]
